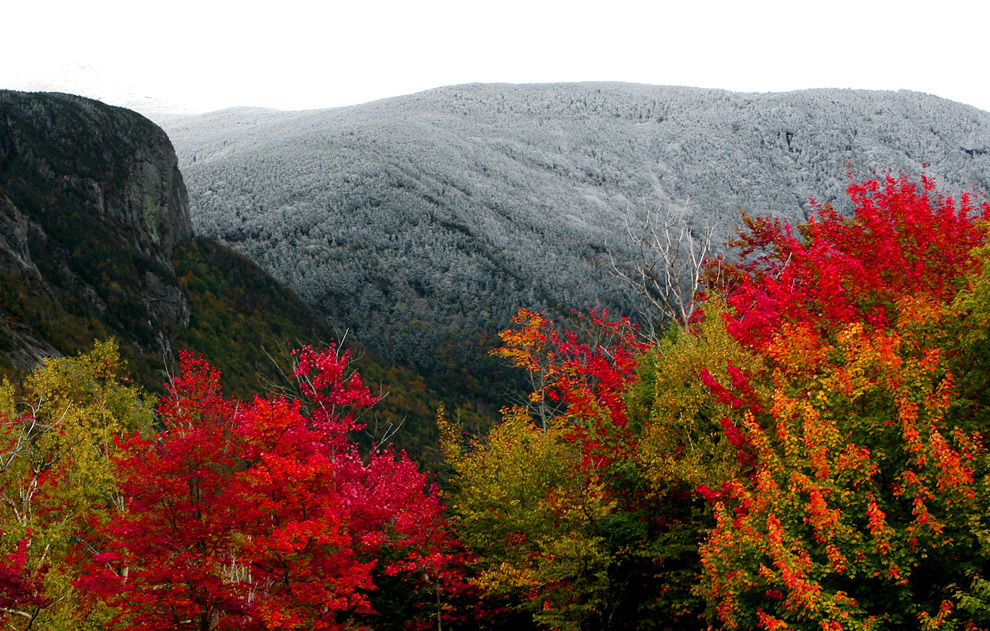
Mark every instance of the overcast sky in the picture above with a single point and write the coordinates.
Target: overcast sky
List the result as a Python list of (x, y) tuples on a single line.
[(294, 54)]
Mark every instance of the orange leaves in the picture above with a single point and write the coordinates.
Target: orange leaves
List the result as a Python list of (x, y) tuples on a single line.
[(857, 468), (526, 344), (877, 525), (579, 380), (821, 420)]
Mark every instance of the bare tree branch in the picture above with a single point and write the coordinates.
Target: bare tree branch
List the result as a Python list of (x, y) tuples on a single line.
[(666, 266)]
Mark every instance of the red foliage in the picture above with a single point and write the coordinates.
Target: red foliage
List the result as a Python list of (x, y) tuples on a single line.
[(901, 241), (262, 515), (589, 374), (855, 488), (20, 585)]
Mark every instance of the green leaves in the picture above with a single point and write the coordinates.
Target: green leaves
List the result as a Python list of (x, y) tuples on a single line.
[(809, 453)]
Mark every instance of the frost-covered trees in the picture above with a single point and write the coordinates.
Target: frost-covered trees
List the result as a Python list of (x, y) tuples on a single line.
[(452, 208)]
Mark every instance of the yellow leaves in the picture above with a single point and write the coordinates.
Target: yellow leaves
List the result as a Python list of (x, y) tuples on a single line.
[(59, 427), (506, 577), (531, 514), (683, 437), (450, 439)]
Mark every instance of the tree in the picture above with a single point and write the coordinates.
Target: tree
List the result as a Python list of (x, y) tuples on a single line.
[(556, 509), (532, 518), (668, 266), (859, 472), (263, 514), (901, 241), (57, 430)]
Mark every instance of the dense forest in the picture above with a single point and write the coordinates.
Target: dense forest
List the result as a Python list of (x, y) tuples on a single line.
[(806, 451), (416, 222)]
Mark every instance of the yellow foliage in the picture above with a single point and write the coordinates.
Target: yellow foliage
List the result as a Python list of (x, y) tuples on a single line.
[(57, 432), (530, 512), (683, 440)]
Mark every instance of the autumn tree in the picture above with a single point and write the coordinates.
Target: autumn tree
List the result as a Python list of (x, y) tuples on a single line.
[(553, 503), (57, 432), (263, 514), (858, 472)]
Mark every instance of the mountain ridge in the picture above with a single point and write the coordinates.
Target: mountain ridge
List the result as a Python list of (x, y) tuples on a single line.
[(96, 242), (461, 204)]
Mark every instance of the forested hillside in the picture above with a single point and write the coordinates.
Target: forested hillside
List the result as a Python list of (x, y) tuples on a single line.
[(420, 222), (96, 242), (808, 452)]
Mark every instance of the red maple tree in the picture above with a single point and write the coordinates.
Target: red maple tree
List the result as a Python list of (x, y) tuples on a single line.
[(263, 514)]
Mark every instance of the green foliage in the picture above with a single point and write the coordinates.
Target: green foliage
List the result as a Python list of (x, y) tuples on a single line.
[(554, 504), (242, 318), (683, 441), (811, 453)]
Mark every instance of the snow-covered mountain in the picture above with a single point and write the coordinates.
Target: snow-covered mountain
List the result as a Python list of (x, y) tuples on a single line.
[(425, 221)]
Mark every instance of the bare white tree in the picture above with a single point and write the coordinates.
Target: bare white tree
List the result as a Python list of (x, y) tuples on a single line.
[(666, 264)]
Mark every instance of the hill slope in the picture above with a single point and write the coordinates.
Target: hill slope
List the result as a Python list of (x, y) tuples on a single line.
[(423, 221), (95, 241)]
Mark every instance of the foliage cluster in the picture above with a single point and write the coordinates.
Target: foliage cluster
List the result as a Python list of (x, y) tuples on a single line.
[(252, 514), (810, 454)]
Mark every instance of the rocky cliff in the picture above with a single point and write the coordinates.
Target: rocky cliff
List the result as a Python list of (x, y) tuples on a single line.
[(114, 163), (95, 241), (92, 206)]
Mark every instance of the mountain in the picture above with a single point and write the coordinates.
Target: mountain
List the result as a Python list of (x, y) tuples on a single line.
[(96, 241), (93, 206), (421, 223)]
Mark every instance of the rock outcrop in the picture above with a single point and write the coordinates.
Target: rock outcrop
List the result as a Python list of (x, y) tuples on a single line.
[(115, 163), (92, 205)]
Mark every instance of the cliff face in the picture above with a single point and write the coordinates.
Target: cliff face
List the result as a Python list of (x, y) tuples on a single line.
[(95, 241), (114, 163), (92, 206)]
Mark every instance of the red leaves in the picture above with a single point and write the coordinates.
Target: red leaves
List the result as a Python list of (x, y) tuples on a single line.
[(21, 586), (900, 241), (262, 515), (324, 380), (588, 374), (852, 467)]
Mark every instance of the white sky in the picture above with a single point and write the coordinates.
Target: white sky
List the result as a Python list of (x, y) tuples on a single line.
[(295, 54)]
